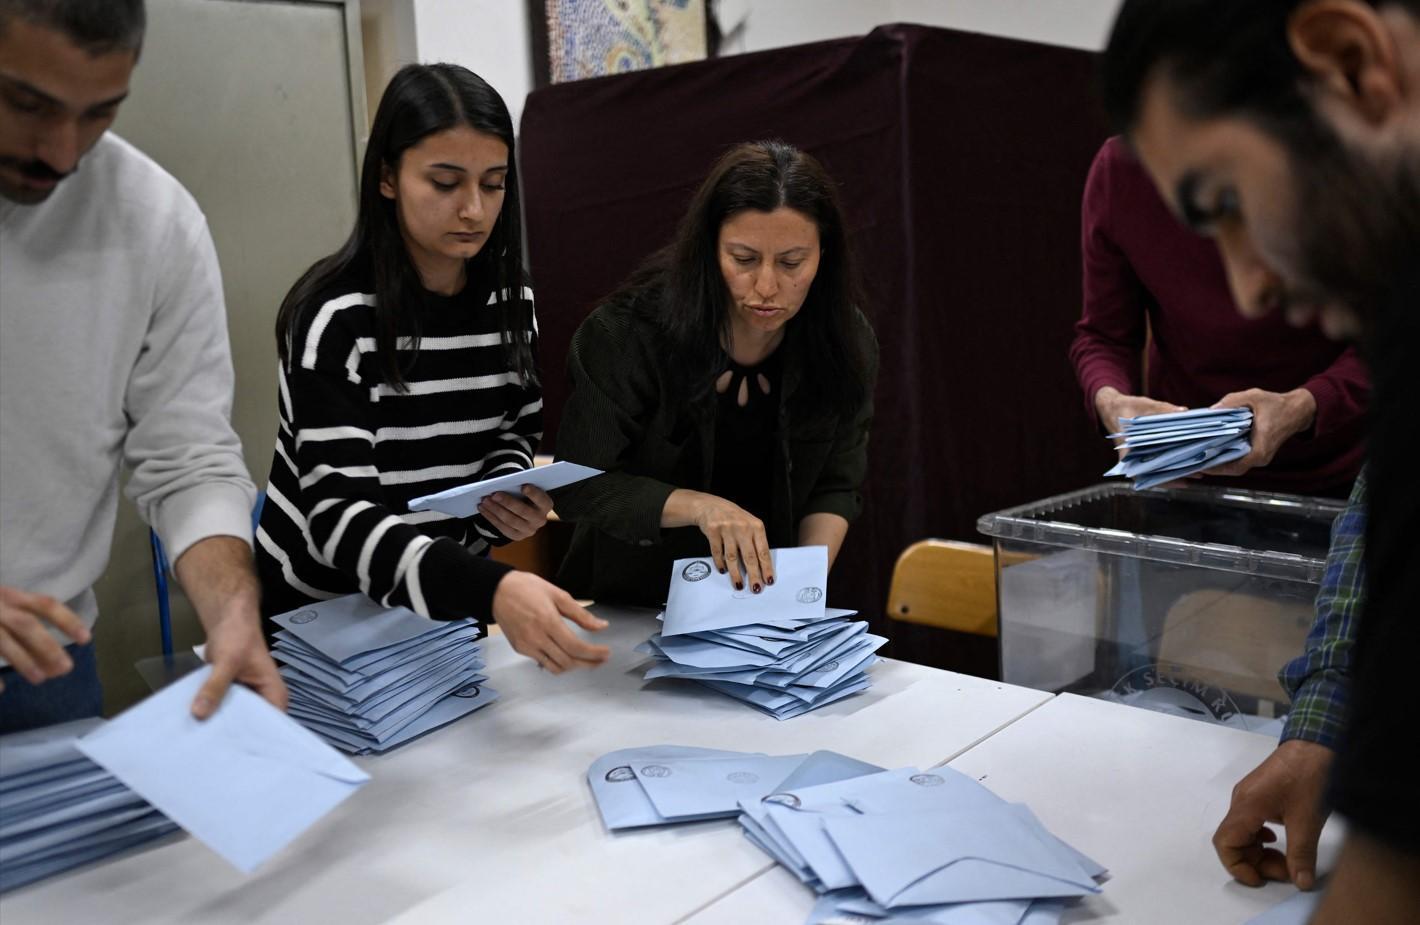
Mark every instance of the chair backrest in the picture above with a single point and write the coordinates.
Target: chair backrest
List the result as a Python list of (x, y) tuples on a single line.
[(945, 584), (162, 568)]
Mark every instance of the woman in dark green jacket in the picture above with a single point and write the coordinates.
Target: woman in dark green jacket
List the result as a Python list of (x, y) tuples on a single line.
[(726, 389)]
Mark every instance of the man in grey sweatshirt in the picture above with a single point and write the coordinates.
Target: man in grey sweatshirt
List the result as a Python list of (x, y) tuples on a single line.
[(113, 350)]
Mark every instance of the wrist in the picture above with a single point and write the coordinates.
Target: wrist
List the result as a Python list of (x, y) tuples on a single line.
[(1301, 405), (1105, 399)]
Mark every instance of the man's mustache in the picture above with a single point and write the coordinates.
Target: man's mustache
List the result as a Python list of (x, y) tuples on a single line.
[(34, 170)]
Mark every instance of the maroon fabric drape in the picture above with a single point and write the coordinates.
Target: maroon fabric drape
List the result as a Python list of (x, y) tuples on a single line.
[(960, 159)]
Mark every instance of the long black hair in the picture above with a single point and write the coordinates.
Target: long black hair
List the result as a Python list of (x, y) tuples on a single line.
[(684, 290), (421, 100)]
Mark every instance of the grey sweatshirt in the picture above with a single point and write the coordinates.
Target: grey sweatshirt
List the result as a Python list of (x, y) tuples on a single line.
[(113, 351)]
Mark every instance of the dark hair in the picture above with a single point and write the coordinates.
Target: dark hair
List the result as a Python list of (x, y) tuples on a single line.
[(97, 26), (1225, 57), (421, 100), (689, 299)]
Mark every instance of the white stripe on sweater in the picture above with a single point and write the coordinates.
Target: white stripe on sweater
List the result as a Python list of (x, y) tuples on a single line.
[(323, 319)]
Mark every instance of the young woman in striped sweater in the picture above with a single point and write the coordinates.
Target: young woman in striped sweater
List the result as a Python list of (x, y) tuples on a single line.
[(408, 367)]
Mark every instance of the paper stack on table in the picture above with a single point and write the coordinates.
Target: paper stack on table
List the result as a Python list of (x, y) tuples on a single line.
[(245, 781), (59, 810), (1160, 448), (899, 845), (781, 651), (367, 678)]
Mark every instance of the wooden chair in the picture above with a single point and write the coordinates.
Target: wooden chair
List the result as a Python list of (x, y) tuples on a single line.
[(945, 584)]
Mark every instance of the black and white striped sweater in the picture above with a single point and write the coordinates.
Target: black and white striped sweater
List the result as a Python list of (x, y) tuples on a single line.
[(352, 452)]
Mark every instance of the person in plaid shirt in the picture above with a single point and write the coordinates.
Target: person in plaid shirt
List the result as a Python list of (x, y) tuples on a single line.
[(1288, 787)]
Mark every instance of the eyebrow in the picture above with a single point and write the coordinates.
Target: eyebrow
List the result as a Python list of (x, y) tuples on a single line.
[(19, 84), (792, 250), (443, 165)]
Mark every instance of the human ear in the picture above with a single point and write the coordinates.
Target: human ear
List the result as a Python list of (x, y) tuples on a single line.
[(387, 181), (1349, 53)]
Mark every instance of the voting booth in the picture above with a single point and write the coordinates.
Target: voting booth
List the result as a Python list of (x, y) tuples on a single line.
[(1185, 600)]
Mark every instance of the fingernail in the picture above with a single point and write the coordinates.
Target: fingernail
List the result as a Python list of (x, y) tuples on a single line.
[(202, 706), (722, 571), (769, 580), (756, 589), (739, 586), (1304, 880), (603, 623)]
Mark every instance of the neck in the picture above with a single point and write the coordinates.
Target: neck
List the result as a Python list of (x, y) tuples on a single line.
[(442, 275), (748, 346)]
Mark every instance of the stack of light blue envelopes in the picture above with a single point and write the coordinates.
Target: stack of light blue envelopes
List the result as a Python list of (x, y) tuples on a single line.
[(873, 844), (1160, 448), (781, 651), (368, 678), (59, 810)]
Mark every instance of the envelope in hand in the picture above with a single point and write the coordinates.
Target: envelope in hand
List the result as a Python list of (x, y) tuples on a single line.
[(463, 501), (972, 855), (245, 781), (702, 599), (620, 799)]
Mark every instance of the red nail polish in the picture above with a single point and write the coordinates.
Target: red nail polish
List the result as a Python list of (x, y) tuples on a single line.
[(769, 580), (739, 586), (756, 589)]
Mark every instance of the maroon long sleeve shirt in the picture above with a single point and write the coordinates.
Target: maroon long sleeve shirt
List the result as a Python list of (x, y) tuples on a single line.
[(1143, 269)]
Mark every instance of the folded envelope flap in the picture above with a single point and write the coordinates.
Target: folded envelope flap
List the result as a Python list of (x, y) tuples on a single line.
[(616, 767), (244, 725), (892, 852)]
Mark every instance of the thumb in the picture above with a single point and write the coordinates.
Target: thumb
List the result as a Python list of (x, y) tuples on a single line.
[(580, 615), (1302, 837), (212, 692)]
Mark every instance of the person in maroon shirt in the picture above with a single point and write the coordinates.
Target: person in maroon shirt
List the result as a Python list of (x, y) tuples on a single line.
[(1144, 271)]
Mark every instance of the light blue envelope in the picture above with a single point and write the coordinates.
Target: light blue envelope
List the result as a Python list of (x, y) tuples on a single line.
[(1227, 454), (453, 707), (71, 813), (622, 802), (35, 750), (702, 599), (245, 782), (972, 855), (855, 902), (352, 627), (704, 787), (139, 832), (24, 802), (463, 500), (1295, 910), (1194, 414), (695, 652)]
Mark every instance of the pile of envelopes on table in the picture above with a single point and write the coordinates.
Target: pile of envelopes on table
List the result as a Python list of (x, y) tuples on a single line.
[(1160, 448), (781, 651), (902, 845), (367, 678), (59, 810)]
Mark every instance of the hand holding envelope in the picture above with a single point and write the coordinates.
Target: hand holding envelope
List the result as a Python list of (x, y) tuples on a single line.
[(1161, 448), (245, 782)]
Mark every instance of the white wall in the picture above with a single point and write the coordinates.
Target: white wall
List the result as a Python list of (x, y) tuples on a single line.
[(756, 25), (492, 38)]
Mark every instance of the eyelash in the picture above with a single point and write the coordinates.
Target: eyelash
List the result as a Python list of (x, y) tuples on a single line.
[(751, 261), (450, 187)]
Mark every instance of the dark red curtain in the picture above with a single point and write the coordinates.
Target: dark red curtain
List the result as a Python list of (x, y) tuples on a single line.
[(961, 159)]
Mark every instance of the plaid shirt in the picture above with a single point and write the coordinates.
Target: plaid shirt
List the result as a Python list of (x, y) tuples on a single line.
[(1320, 678)]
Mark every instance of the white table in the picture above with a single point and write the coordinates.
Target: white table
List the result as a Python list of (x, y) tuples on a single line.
[(490, 819), (1141, 792)]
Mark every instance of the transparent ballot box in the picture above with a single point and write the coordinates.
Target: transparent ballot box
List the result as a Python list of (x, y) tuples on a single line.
[(1185, 600)]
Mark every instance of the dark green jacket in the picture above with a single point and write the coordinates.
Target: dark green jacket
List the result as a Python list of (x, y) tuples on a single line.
[(621, 418)]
